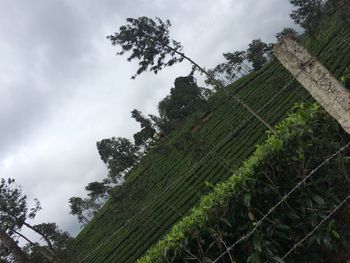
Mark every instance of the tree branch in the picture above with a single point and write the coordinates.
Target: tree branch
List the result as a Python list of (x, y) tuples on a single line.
[(17, 253)]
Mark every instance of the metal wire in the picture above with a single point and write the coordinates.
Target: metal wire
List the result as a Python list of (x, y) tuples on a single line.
[(283, 199)]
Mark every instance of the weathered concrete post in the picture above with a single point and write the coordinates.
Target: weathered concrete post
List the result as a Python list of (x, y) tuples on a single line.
[(326, 89)]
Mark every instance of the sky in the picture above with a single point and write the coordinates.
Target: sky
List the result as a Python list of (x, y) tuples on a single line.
[(62, 88)]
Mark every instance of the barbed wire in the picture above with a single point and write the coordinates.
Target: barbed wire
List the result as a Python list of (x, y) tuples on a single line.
[(317, 227), (283, 199)]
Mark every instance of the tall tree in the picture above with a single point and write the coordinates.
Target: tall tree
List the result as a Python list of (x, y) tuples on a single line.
[(185, 97), (237, 61), (257, 53), (13, 212), (147, 132), (119, 154), (150, 43), (98, 190), (61, 246), (307, 13), (233, 67), (84, 208)]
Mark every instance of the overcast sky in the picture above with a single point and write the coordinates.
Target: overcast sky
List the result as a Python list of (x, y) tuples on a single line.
[(62, 88)]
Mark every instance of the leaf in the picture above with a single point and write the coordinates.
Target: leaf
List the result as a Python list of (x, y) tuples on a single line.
[(282, 235), (335, 233), (253, 258), (318, 199), (311, 241), (226, 222), (277, 259), (257, 245), (247, 198), (251, 216), (207, 260), (283, 228)]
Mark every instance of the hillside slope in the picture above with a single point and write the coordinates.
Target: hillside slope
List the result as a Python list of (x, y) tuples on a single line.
[(170, 183)]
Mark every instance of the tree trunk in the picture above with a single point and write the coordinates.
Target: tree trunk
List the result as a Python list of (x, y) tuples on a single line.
[(49, 244), (47, 256), (22, 236), (17, 253), (202, 70)]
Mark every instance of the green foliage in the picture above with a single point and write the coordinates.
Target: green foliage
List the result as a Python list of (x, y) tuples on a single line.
[(149, 42), (147, 132), (13, 205), (185, 98), (308, 13), (119, 154), (237, 64), (339, 7), (14, 216), (97, 190), (303, 140), (173, 182), (257, 53), (84, 208), (233, 67), (345, 78), (189, 143), (125, 195), (286, 31), (61, 246)]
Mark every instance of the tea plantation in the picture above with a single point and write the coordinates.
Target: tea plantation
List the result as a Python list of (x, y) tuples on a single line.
[(170, 180)]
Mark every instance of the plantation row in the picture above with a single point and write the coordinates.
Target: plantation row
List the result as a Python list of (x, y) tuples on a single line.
[(172, 182)]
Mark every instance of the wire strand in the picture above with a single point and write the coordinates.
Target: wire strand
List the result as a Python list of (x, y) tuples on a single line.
[(317, 227), (283, 199)]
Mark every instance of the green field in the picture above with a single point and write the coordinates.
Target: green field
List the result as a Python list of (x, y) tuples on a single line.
[(173, 182)]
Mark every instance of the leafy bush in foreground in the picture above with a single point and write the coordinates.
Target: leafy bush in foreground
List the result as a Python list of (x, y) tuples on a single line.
[(303, 141)]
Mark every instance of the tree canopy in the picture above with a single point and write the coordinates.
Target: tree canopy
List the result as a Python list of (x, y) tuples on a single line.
[(233, 67), (14, 215), (148, 41), (84, 208), (119, 154), (185, 98), (98, 190), (307, 13), (147, 132), (257, 53)]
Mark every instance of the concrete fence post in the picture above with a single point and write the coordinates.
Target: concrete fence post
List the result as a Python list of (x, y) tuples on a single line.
[(315, 78)]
